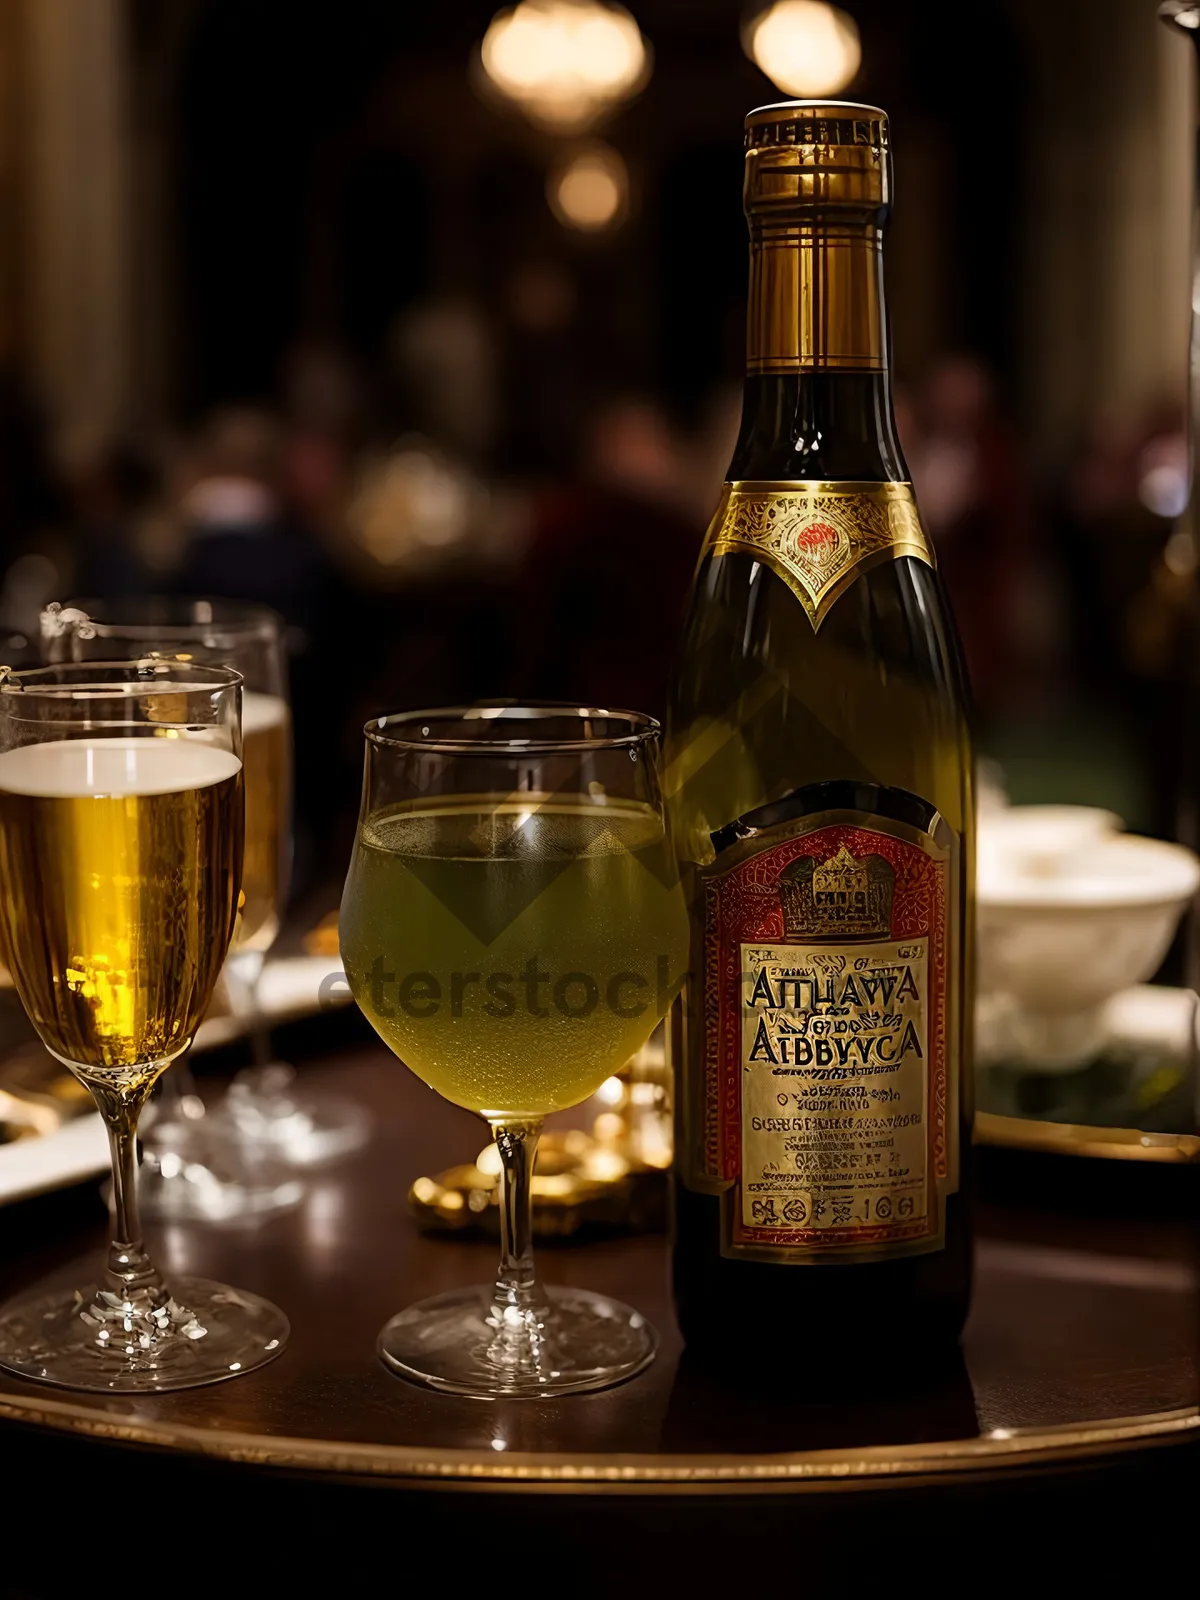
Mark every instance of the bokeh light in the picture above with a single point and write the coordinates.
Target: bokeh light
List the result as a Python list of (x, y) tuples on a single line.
[(412, 505), (806, 48), (590, 190), (565, 62)]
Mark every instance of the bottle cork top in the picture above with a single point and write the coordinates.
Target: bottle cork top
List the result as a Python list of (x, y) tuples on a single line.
[(811, 156)]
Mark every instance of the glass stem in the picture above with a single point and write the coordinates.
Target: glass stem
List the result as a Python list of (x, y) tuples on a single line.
[(243, 973), (519, 1306), (130, 1271)]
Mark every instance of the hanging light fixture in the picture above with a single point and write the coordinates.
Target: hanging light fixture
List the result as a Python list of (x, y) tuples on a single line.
[(806, 48), (590, 190), (565, 63)]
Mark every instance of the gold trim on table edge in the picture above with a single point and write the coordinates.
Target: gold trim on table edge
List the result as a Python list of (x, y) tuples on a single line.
[(1080, 1139), (814, 1469)]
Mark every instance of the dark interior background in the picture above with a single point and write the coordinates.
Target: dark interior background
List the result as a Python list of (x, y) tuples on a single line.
[(297, 247)]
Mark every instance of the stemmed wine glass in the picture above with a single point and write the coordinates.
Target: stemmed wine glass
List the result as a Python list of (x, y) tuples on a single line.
[(513, 928), (267, 1113), (121, 821)]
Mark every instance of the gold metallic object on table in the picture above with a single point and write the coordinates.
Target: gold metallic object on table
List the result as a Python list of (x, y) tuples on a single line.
[(613, 1176), (323, 939)]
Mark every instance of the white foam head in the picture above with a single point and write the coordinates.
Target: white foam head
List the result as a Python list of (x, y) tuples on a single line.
[(75, 768), (262, 711)]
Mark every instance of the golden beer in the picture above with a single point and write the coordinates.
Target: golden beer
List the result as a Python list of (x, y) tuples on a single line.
[(267, 762), (120, 860)]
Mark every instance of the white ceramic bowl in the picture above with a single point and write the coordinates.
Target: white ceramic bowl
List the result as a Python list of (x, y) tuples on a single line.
[(1036, 840), (1055, 946)]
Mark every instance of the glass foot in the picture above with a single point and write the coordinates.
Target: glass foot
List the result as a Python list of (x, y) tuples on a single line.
[(194, 1333), (196, 1168), (303, 1128), (458, 1343)]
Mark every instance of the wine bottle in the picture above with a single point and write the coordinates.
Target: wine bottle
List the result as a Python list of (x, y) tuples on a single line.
[(820, 787)]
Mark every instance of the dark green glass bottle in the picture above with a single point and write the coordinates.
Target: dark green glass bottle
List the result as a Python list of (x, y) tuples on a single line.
[(820, 784)]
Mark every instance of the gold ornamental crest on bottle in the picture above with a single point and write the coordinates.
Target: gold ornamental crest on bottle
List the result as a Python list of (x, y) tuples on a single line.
[(821, 795)]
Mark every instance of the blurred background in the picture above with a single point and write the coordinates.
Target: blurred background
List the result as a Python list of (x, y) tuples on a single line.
[(423, 323)]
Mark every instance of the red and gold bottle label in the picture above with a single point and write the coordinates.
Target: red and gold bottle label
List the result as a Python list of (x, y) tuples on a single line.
[(828, 1097), (818, 536)]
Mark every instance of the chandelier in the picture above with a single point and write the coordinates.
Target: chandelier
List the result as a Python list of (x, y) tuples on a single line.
[(565, 63), (806, 48)]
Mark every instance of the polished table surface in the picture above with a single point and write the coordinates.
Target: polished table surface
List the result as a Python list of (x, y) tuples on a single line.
[(1082, 1344)]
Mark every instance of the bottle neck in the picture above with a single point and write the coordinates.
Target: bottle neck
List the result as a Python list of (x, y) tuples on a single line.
[(835, 426), (816, 297), (817, 401)]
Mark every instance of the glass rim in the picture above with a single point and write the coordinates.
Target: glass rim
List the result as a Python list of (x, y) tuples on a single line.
[(238, 619), (123, 680), (642, 728)]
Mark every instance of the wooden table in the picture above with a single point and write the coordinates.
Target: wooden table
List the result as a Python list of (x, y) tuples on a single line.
[(1080, 1366)]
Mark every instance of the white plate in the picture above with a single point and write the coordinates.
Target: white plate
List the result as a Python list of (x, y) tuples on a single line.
[(295, 986), (75, 1151)]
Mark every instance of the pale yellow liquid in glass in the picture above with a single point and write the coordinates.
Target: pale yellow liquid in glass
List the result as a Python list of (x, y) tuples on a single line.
[(480, 890), (119, 860), (267, 763)]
